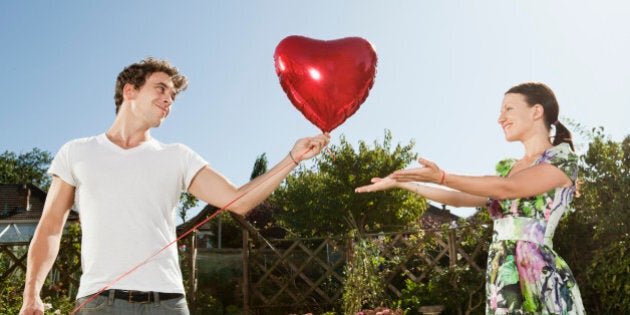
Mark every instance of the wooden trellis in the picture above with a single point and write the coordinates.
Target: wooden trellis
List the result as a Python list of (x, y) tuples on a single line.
[(12, 263), (65, 273), (304, 272), (290, 276)]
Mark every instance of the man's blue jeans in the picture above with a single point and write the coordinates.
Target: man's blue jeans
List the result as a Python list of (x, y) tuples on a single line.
[(107, 304)]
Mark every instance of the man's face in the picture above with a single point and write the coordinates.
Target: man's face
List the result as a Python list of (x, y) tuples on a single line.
[(152, 102)]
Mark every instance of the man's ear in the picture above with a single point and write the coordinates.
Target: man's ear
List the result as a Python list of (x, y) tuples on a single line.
[(129, 91)]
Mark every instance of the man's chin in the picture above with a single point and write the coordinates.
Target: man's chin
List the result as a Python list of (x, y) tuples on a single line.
[(157, 123)]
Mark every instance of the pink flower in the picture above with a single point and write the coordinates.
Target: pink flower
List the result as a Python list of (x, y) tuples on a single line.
[(529, 262), (548, 208), (514, 207), (494, 208), (495, 298)]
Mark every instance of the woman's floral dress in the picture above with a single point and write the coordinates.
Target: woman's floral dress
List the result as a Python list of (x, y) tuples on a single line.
[(525, 275)]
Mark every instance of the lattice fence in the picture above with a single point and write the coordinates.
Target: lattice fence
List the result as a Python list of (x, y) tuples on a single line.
[(307, 275), (63, 278)]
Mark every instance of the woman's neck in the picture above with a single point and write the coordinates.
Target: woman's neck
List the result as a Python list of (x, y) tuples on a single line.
[(535, 147)]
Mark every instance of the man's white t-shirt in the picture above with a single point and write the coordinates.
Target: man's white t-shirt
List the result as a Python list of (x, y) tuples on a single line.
[(127, 201)]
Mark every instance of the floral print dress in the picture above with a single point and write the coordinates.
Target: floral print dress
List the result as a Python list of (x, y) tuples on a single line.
[(524, 274)]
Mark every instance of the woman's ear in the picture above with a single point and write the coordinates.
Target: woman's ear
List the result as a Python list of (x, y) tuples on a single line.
[(539, 111)]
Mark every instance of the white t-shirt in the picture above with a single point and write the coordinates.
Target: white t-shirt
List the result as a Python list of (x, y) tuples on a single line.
[(127, 202)]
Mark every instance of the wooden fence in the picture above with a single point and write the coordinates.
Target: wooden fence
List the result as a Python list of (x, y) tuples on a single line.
[(63, 278), (291, 276), (307, 275)]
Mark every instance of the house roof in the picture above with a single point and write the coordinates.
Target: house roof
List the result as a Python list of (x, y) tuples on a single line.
[(433, 216), (207, 211), (24, 203)]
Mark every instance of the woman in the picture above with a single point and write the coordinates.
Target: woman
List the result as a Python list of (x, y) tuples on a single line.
[(526, 201)]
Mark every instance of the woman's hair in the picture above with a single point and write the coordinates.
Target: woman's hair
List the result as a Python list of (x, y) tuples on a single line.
[(138, 73), (540, 93)]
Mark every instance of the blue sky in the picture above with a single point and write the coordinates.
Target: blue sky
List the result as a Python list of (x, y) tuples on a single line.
[(443, 68)]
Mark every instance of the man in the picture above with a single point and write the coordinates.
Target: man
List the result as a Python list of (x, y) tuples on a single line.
[(126, 187)]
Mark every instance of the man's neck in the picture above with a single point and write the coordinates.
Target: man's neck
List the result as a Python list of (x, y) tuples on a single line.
[(126, 135)]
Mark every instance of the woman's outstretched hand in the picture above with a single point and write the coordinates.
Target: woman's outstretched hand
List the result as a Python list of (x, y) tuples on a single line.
[(429, 172), (378, 184)]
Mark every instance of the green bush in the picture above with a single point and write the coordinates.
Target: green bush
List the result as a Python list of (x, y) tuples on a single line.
[(609, 273), (459, 288), (11, 299), (364, 286), (219, 283), (595, 239)]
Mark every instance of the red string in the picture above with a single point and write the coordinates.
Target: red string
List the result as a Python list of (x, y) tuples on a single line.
[(107, 286), (332, 153)]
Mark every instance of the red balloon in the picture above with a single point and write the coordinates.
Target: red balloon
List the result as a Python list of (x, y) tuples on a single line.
[(326, 80)]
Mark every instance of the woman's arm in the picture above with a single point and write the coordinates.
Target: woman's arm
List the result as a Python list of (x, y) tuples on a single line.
[(443, 196), (528, 182)]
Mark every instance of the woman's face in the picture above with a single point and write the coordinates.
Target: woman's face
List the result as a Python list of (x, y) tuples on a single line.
[(517, 117)]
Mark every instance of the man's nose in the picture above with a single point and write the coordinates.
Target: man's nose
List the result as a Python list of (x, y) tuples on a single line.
[(167, 99)]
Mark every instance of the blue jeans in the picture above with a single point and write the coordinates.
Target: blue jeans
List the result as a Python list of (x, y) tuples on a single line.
[(106, 304)]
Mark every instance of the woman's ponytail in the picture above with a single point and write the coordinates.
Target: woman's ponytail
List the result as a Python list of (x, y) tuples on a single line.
[(562, 135)]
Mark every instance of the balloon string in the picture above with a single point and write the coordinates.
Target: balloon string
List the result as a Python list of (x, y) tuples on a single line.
[(183, 235), (331, 153)]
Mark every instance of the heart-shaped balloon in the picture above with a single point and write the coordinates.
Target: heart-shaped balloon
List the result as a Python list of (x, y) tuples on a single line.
[(326, 80)]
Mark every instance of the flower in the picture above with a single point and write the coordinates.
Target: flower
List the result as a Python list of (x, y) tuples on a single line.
[(529, 261), (514, 207), (495, 297), (548, 209)]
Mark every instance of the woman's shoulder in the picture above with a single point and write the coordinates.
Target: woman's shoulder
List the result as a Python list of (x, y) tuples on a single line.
[(561, 151), (503, 167), (562, 157)]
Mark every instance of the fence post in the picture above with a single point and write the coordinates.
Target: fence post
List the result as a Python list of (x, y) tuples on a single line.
[(245, 271), (452, 247), (193, 271)]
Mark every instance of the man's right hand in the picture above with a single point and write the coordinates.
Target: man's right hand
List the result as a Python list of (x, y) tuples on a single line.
[(32, 306)]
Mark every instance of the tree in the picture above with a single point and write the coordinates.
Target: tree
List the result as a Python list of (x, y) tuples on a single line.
[(29, 167), (317, 201), (260, 166), (263, 215), (227, 226), (600, 226), (186, 201)]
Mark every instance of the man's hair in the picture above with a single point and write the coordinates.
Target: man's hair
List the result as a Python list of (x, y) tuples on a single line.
[(137, 74)]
